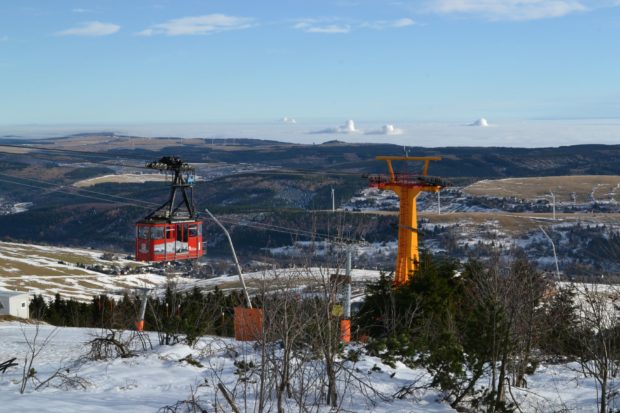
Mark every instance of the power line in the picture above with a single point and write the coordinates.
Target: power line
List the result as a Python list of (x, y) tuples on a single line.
[(64, 192), (72, 189), (283, 171), (71, 151), (42, 156), (100, 196)]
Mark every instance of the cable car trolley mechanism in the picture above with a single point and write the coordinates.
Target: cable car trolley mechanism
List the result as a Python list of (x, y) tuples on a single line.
[(172, 231)]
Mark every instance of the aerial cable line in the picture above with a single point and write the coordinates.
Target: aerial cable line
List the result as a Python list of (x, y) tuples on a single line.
[(58, 190), (72, 188), (42, 156), (84, 154), (132, 202), (71, 151), (279, 171), (276, 228)]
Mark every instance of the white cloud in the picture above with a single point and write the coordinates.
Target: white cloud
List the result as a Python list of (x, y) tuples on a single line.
[(78, 10), (315, 26), (388, 130), (388, 24), (481, 123), (405, 22), (91, 29), (197, 25), (340, 26), (288, 119), (331, 29), (508, 9), (347, 128)]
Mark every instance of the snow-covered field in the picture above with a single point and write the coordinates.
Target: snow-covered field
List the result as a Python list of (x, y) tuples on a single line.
[(46, 270), (158, 377), (120, 178)]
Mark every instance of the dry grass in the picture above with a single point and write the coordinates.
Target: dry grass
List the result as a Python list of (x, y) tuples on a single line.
[(37, 269), (89, 285), (9, 269), (14, 150), (146, 281), (601, 187), (518, 223), (25, 251)]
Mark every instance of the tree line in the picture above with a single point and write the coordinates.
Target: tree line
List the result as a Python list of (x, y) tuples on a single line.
[(483, 327), (478, 328)]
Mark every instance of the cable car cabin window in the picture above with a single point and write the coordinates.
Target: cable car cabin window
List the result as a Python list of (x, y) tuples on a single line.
[(199, 229), (170, 232), (193, 230), (143, 232), (157, 233), (182, 238)]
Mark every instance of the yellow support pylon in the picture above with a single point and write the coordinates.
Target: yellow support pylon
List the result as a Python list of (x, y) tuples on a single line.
[(407, 187)]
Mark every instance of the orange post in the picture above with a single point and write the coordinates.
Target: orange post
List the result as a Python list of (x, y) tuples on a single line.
[(140, 325), (345, 331), (248, 324), (407, 187)]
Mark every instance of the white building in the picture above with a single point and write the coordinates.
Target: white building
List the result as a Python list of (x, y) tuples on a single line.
[(14, 303)]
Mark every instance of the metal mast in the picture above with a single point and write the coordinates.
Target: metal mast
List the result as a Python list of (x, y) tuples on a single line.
[(407, 187), (175, 208)]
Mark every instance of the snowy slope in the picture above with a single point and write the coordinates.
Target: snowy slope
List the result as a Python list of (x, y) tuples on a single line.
[(157, 378), (46, 270)]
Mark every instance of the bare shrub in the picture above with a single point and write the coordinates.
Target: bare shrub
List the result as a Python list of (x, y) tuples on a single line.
[(35, 347), (113, 344), (65, 380), (192, 404)]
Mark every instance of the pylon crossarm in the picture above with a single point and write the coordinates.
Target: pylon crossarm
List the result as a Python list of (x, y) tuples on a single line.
[(423, 183), (408, 158)]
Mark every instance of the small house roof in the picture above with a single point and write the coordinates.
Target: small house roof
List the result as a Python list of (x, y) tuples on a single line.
[(7, 293)]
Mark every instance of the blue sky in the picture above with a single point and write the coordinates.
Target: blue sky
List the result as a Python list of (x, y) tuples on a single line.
[(249, 61)]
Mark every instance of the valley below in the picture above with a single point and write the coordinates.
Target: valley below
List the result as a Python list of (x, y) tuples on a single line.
[(88, 191)]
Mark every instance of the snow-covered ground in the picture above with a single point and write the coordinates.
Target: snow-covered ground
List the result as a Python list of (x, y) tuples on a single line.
[(8, 207), (45, 270), (158, 377), (120, 178)]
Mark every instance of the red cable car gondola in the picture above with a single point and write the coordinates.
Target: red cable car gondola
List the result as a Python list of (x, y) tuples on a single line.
[(171, 232)]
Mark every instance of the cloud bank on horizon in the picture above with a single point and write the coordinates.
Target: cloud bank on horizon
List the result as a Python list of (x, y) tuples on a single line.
[(532, 134), (347, 128), (387, 130), (481, 123)]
